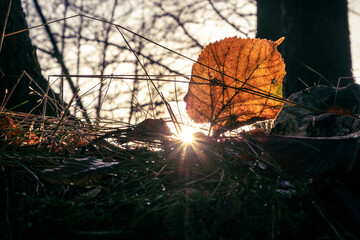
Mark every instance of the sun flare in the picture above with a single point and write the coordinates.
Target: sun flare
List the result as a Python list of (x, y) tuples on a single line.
[(185, 131), (187, 134)]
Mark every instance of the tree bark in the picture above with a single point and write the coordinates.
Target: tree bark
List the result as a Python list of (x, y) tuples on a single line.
[(16, 56), (316, 48), (269, 19), (316, 37)]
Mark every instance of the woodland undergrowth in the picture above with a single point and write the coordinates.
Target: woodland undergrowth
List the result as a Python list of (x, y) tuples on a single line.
[(153, 186), (62, 177)]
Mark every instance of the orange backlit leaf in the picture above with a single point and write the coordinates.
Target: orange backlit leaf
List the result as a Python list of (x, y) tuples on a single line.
[(76, 139), (14, 134), (6, 123), (28, 139), (232, 81), (9, 129)]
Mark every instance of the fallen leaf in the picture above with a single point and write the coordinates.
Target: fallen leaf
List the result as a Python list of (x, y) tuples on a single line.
[(337, 115), (148, 130), (6, 122), (152, 127), (232, 80), (76, 139), (14, 134)]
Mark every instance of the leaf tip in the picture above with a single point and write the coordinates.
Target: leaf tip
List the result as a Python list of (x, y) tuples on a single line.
[(279, 41)]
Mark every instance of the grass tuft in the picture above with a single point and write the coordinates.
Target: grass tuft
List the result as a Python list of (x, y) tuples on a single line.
[(136, 188)]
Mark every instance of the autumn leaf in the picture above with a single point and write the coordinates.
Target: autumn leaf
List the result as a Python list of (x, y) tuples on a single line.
[(236, 81), (9, 130)]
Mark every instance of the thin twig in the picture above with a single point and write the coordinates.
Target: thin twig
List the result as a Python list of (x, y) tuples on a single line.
[(172, 115), (64, 113), (328, 221), (249, 88), (60, 59), (225, 19), (36, 177), (162, 46), (106, 92), (177, 101), (41, 25), (203, 178), (320, 75), (180, 24), (2, 107), (209, 82), (166, 48), (142, 66), (38, 86), (222, 175), (5, 24)]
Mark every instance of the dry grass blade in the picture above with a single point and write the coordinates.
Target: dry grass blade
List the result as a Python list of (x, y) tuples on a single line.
[(162, 187), (35, 177), (3, 104), (41, 25), (168, 107), (64, 113), (5, 24), (167, 184), (320, 75), (143, 67), (327, 220), (251, 89)]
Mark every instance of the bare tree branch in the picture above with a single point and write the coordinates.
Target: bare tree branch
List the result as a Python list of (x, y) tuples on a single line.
[(60, 60), (149, 58), (180, 24), (225, 19), (154, 24), (103, 62)]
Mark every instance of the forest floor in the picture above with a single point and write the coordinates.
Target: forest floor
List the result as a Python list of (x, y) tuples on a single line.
[(157, 187)]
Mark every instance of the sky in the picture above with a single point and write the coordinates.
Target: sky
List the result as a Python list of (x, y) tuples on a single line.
[(212, 33), (209, 33), (354, 22)]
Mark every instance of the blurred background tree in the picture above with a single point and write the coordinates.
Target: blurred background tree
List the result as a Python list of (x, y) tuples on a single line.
[(17, 56), (317, 36), (317, 45), (96, 48)]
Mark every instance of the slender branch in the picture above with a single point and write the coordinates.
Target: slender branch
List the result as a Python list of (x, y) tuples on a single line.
[(151, 60), (135, 84), (104, 63), (63, 48), (252, 89), (354, 12), (181, 25), (60, 60), (225, 19), (5, 24)]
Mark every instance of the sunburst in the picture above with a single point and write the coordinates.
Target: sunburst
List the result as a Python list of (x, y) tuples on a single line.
[(187, 134)]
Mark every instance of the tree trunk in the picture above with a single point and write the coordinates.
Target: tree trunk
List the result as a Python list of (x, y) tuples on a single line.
[(269, 19), (17, 55), (317, 43), (317, 36)]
